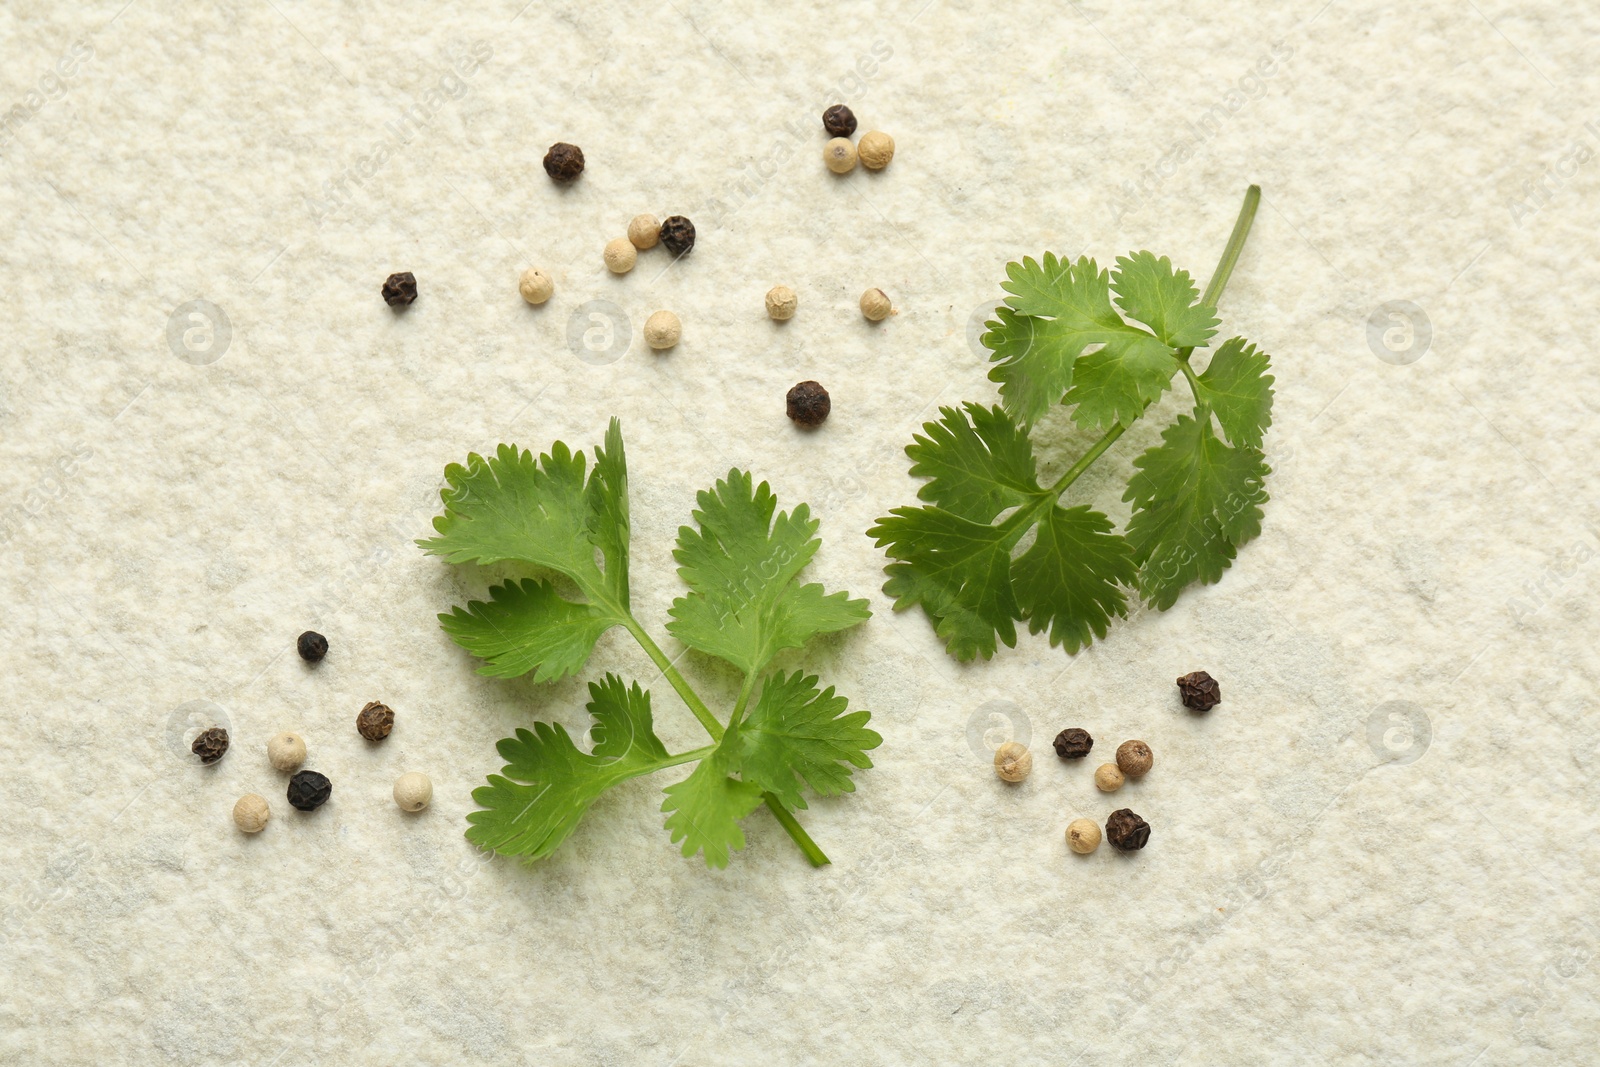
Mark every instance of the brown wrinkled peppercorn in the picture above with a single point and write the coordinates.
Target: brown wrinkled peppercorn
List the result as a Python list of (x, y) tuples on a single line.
[(839, 121), (677, 234), (1073, 743), (309, 790), (1135, 759), (312, 646), (564, 162), (399, 289), (210, 745), (1127, 831), (1200, 691), (808, 403), (375, 721)]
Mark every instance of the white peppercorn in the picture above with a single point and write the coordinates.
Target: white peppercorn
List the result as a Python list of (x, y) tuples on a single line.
[(840, 155), (781, 303), (620, 255), (644, 231), (286, 751), (1108, 778), (876, 150), (662, 330), (413, 791), (1135, 759), (875, 305), (1013, 762), (250, 813), (1083, 836), (535, 286)]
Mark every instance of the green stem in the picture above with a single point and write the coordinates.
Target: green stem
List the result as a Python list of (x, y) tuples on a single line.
[(680, 685), (744, 697), (1213, 293), (676, 680), (1088, 458), (1194, 381), (787, 820), (688, 757), (1235, 245)]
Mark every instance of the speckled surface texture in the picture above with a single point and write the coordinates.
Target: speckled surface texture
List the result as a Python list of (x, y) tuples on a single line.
[(1378, 849)]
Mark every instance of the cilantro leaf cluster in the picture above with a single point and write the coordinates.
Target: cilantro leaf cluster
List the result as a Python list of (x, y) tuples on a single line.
[(991, 546), (745, 605)]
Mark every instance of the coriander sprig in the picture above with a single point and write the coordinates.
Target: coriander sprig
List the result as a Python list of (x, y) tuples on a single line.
[(744, 605), (1196, 496)]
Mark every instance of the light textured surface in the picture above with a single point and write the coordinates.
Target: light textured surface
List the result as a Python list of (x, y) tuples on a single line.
[(171, 524)]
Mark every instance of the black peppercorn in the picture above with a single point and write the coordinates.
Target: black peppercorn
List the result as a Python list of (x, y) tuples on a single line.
[(1127, 831), (312, 645), (808, 403), (564, 162), (1200, 691), (399, 289), (677, 233), (375, 721), (309, 790), (839, 121), (1073, 743), (210, 745)]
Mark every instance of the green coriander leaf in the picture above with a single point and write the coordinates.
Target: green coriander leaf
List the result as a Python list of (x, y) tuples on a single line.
[(607, 500), (703, 810), (958, 570), (1114, 384), (1108, 347), (548, 784), (1034, 358), (527, 626), (980, 463), (1238, 389), (1068, 578), (1149, 290), (796, 731), (623, 727), (1045, 286), (1037, 361), (511, 507), (740, 565), (1195, 500)]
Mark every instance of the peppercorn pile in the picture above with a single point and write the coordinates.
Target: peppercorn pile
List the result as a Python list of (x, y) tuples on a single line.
[(309, 790), (564, 162), (1126, 830)]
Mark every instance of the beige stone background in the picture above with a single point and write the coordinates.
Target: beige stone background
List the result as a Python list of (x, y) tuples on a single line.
[(1379, 849)]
